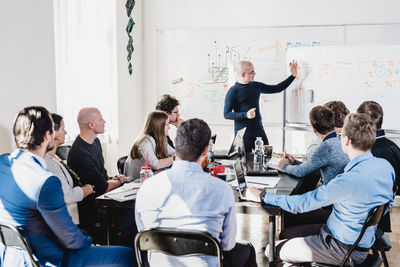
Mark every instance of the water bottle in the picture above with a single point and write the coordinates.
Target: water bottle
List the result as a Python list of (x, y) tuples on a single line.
[(258, 154), (210, 154), (145, 172)]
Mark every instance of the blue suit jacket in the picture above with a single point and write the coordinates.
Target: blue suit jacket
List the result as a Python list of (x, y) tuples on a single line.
[(32, 199)]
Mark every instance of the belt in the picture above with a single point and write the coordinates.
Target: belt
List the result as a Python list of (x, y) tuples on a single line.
[(349, 246)]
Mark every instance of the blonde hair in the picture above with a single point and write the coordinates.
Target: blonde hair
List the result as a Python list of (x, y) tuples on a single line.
[(154, 127), (360, 129)]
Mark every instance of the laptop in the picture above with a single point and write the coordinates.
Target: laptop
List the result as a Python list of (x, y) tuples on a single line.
[(244, 194), (234, 149)]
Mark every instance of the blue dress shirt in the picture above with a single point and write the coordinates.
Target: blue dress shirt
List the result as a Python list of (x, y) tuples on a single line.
[(185, 197), (366, 183), (32, 199)]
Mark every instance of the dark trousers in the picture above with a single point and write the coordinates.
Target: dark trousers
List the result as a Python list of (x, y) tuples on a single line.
[(112, 256), (250, 136), (242, 255), (318, 216), (122, 225)]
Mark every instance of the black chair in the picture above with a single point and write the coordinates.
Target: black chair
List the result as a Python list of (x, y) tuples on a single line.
[(11, 236), (62, 152), (381, 245), (121, 164), (372, 260), (177, 243)]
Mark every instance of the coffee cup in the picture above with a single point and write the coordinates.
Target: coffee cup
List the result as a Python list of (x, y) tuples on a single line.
[(217, 169)]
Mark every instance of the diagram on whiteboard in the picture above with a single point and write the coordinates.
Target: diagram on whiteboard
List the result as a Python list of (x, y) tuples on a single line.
[(351, 74), (198, 66), (380, 76)]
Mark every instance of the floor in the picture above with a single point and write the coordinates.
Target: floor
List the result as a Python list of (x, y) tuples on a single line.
[(254, 228)]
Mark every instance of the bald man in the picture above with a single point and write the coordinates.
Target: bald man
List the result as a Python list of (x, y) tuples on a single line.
[(242, 101), (86, 159)]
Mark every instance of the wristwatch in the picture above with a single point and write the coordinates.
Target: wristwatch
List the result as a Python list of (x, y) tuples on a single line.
[(262, 195)]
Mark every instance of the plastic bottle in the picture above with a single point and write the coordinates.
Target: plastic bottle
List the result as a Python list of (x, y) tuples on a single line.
[(210, 154), (145, 172), (258, 154)]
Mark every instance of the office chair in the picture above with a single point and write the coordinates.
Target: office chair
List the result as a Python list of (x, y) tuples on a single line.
[(177, 243), (121, 164), (372, 260), (62, 152), (11, 236)]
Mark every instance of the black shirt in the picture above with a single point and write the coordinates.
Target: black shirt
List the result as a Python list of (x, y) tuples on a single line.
[(243, 97), (386, 149), (170, 142), (88, 162)]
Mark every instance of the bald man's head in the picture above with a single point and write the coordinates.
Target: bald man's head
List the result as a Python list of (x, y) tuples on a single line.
[(91, 119), (245, 71)]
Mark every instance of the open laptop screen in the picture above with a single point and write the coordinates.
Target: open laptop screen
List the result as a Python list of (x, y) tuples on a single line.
[(237, 143), (240, 177)]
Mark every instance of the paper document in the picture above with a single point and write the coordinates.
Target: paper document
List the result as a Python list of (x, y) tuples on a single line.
[(126, 192), (273, 164), (274, 161), (263, 181)]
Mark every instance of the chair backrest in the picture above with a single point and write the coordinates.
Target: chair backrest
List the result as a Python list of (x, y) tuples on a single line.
[(121, 164), (177, 243), (373, 218), (11, 236), (62, 152)]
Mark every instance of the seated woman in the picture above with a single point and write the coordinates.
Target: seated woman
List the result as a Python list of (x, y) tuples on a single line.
[(152, 144), (71, 187)]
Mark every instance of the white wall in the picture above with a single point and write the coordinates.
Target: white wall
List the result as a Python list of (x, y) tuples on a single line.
[(130, 88), (27, 63), (178, 14)]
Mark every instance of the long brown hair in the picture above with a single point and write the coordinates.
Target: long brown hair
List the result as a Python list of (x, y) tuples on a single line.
[(155, 127)]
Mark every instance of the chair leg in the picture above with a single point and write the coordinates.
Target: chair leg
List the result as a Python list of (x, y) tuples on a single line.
[(377, 249), (385, 261)]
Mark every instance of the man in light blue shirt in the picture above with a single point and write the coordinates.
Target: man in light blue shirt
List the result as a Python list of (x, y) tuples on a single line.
[(366, 183), (31, 199), (185, 197)]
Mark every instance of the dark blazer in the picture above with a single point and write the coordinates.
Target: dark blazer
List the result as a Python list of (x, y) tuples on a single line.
[(386, 149), (31, 198)]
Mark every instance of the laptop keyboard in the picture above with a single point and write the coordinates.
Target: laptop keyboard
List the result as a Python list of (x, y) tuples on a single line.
[(269, 172)]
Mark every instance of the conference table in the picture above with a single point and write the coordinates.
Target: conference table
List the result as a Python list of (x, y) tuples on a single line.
[(287, 185)]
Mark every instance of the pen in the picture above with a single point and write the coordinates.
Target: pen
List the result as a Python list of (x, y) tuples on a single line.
[(128, 195)]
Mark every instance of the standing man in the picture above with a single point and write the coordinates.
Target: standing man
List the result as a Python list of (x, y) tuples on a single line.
[(169, 105), (242, 102), (31, 199), (366, 183), (383, 148), (86, 159), (185, 197)]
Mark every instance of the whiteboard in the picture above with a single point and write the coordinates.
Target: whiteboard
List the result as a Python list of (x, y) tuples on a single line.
[(197, 66), (352, 74)]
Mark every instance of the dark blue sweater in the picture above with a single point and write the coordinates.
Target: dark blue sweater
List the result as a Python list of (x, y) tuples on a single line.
[(243, 97)]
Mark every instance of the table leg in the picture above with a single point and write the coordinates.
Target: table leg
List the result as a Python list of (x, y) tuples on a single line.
[(107, 225), (271, 252)]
